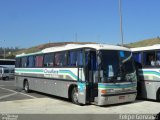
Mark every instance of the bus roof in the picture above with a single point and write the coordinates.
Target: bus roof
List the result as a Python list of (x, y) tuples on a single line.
[(77, 46), (153, 47)]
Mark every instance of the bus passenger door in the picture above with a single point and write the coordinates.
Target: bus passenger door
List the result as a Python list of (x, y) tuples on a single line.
[(92, 76), (87, 84), (81, 79)]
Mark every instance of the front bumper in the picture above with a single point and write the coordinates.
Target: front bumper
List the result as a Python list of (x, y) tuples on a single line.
[(109, 99)]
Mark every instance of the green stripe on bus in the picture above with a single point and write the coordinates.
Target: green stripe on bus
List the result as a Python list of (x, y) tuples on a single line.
[(116, 86), (41, 71), (29, 70), (150, 73)]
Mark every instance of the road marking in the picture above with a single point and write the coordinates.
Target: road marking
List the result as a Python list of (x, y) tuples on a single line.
[(18, 92), (7, 85), (7, 81), (8, 89), (5, 96), (27, 95)]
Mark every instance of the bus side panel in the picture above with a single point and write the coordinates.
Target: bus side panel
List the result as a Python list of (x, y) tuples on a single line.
[(151, 90), (53, 87), (149, 83), (48, 86), (148, 90), (62, 88), (54, 81), (19, 82)]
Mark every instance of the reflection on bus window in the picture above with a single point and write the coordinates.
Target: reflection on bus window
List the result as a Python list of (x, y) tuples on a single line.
[(48, 60), (6, 70), (31, 61), (60, 59), (73, 58), (39, 61), (158, 58), (80, 58), (24, 62), (18, 62), (138, 57)]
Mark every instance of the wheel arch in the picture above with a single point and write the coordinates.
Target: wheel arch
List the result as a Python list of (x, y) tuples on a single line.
[(70, 89), (158, 94), (25, 79)]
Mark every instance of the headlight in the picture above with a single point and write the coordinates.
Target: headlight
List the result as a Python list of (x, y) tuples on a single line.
[(107, 91)]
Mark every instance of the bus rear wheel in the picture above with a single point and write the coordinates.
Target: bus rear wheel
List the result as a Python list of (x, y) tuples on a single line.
[(74, 96), (26, 86)]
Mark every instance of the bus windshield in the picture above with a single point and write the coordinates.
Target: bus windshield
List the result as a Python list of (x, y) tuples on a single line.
[(117, 66)]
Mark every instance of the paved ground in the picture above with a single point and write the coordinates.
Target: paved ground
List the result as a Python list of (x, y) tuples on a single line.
[(15, 102)]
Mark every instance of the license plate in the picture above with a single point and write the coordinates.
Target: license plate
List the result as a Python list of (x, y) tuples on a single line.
[(121, 97)]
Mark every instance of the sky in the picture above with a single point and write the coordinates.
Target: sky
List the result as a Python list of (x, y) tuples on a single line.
[(27, 23)]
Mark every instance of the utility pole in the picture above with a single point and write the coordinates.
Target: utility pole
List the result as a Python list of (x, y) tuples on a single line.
[(76, 37), (4, 50), (121, 29)]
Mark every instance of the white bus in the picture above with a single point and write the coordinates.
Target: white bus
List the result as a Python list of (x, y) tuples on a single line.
[(91, 73), (7, 63), (7, 68), (147, 61)]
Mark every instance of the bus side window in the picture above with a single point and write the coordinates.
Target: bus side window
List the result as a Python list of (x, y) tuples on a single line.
[(31, 61), (80, 58), (72, 58), (158, 58), (138, 59), (39, 61), (24, 62), (149, 58), (18, 62), (60, 59), (48, 60)]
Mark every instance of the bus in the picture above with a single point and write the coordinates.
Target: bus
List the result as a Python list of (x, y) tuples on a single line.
[(86, 74), (7, 63), (7, 68), (147, 60)]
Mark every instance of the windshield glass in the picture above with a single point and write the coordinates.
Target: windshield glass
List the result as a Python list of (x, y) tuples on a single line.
[(117, 66)]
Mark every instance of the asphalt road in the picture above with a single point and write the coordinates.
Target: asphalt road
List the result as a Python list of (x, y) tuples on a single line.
[(8, 92), (49, 106)]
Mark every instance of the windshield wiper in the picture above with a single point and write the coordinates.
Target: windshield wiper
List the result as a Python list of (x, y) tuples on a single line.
[(128, 58)]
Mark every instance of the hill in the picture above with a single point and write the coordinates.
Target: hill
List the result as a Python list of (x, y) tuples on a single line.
[(41, 47), (144, 43)]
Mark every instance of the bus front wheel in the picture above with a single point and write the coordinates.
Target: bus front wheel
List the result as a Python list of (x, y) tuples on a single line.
[(74, 96), (26, 86)]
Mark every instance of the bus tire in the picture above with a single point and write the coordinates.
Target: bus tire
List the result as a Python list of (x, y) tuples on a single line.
[(3, 78), (26, 86), (158, 95), (74, 96)]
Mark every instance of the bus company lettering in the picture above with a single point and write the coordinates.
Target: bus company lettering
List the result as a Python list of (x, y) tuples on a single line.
[(51, 73)]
